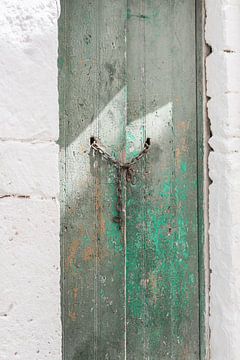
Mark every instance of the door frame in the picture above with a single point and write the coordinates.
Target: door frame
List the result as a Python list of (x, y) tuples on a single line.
[(203, 180)]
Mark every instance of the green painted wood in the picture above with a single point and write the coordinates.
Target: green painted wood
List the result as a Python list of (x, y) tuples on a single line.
[(162, 240), (127, 71)]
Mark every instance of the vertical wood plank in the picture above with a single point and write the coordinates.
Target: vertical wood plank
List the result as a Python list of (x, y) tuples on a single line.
[(77, 63), (93, 103), (185, 124), (162, 242), (111, 132), (135, 211)]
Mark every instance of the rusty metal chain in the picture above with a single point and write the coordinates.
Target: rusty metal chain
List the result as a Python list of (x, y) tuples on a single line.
[(123, 169)]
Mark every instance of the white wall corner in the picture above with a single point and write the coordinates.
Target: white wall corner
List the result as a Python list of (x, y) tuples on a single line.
[(30, 326), (223, 89)]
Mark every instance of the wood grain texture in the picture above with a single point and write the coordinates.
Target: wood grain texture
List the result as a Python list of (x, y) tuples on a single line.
[(127, 71)]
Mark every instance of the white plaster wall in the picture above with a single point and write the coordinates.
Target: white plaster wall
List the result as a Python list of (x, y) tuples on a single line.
[(30, 325), (223, 88)]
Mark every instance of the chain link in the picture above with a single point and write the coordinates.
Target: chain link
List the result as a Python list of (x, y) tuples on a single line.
[(123, 169)]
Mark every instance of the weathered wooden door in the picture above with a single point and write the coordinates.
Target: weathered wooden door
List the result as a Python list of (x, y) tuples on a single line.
[(128, 72)]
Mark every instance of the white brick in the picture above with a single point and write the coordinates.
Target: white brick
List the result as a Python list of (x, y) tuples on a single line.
[(214, 32), (223, 25), (229, 2), (28, 67), (223, 73), (224, 112), (223, 145), (224, 233), (232, 27), (29, 288), (29, 169), (224, 203), (216, 70)]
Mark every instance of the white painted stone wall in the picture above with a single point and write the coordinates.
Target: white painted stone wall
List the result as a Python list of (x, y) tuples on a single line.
[(30, 326), (223, 88)]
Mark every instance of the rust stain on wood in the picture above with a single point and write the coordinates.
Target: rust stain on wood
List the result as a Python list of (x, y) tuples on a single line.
[(183, 148), (73, 315), (88, 253), (72, 253), (183, 125), (99, 208), (75, 295), (81, 230)]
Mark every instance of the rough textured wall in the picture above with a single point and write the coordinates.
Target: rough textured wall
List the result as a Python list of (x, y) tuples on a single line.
[(29, 212), (223, 86)]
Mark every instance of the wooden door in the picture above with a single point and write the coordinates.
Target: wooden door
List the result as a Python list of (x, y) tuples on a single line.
[(127, 73)]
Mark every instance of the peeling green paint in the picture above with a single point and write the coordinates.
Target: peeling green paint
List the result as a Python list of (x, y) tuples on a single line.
[(184, 166), (136, 287), (140, 16)]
